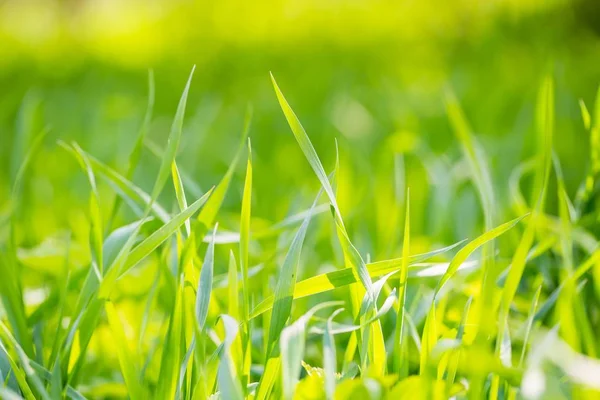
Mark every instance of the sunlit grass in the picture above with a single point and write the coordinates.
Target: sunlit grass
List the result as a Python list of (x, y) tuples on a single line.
[(228, 306)]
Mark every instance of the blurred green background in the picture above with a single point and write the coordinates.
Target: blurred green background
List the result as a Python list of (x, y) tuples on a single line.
[(370, 73)]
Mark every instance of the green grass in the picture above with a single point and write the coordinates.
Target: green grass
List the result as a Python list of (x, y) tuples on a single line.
[(179, 292)]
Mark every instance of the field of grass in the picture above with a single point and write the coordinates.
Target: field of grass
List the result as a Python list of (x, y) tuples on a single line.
[(317, 201)]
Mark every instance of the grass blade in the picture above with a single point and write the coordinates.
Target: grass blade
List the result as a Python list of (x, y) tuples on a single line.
[(229, 384), (173, 142), (205, 286), (343, 277), (292, 344), (400, 364), (329, 357), (180, 194), (245, 231), (305, 144), (466, 251), (284, 292), (163, 233), (126, 359)]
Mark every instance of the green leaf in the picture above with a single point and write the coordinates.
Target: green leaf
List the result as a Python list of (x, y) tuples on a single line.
[(8, 394), (130, 193), (428, 340), (269, 376), (32, 377), (466, 251), (180, 194), (455, 358), (205, 286), (96, 230), (292, 343), (387, 305), (126, 360), (173, 142), (232, 287), (12, 298), (18, 373), (305, 144), (284, 291), (329, 357), (245, 232), (163, 233), (333, 280), (229, 383), (585, 115), (400, 362), (529, 324), (172, 349)]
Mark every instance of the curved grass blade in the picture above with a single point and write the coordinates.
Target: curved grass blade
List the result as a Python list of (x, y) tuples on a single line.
[(96, 230), (229, 383), (305, 144), (18, 373), (429, 337), (333, 280), (47, 376), (466, 251), (129, 192), (292, 344), (387, 305), (163, 233), (25, 362)]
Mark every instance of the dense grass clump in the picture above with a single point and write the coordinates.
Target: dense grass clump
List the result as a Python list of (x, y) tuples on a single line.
[(166, 293)]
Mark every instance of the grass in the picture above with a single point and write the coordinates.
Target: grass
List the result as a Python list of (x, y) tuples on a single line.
[(188, 300)]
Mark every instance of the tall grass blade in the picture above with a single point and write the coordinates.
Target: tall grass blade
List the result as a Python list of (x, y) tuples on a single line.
[(126, 359), (173, 142), (284, 292), (205, 286), (229, 383), (399, 359)]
